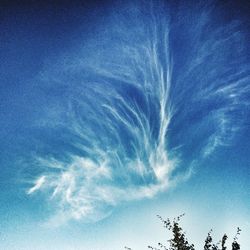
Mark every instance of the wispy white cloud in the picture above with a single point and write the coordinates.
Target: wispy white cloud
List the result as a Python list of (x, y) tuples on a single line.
[(38, 184), (120, 110), (88, 190)]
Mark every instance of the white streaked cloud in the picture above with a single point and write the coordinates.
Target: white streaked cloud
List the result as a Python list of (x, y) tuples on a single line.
[(88, 190), (38, 184), (122, 100)]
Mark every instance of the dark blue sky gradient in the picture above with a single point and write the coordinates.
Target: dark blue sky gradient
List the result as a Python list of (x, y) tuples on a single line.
[(67, 72)]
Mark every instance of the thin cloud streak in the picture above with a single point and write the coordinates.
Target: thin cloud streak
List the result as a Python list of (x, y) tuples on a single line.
[(126, 99)]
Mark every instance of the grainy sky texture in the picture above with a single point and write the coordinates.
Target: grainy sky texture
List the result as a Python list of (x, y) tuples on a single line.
[(112, 112)]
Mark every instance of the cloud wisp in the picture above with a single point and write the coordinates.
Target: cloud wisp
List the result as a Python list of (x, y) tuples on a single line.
[(131, 103)]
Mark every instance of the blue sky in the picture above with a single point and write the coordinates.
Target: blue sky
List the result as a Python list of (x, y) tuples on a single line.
[(112, 113)]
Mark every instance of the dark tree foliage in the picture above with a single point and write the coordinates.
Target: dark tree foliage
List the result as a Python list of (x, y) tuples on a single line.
[(180, 242), (235, 244), (208, 241), (223, 242)]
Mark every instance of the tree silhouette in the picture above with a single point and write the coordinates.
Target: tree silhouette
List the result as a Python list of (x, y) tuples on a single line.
[(180, 242), (235, 244), (208, 241), (223, 242)]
